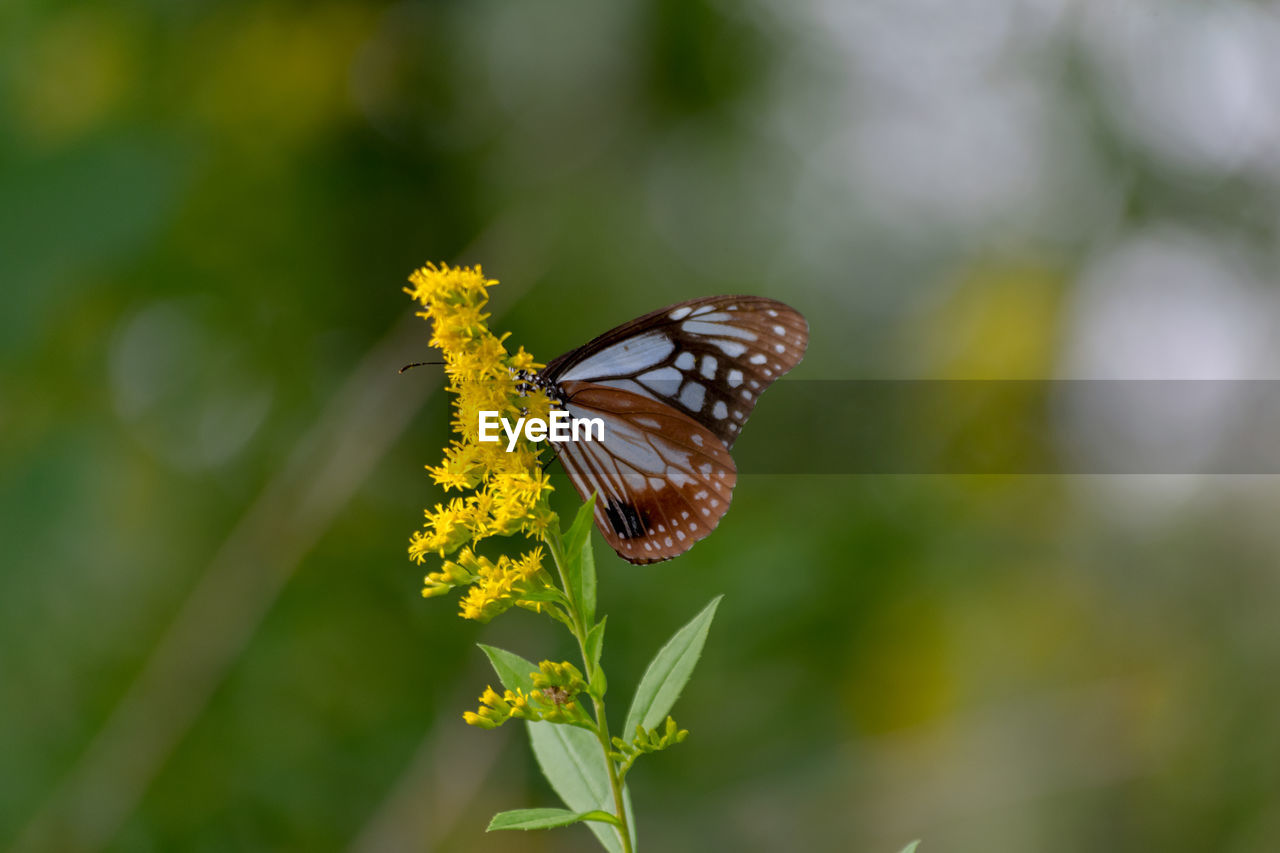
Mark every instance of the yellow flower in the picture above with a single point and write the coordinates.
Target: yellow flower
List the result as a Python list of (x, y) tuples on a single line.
[(494, 710), (496, 587), (564, 676), (508, 491), (556, 685)]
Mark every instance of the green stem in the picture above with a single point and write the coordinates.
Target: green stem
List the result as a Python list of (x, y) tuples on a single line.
[(580, 629)]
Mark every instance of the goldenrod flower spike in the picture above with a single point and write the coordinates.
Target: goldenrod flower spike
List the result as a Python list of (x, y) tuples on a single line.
[(508, 490)]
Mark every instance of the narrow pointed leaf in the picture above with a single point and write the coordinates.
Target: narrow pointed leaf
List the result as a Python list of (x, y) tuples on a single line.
[(631, 816), (544, 594), (911, 848), (581, 566), (544, 818), (571, 760), (594, 646), (668, 673), (513, 671), (595, 643)]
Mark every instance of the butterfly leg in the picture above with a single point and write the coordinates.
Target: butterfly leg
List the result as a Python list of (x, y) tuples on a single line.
[(555, 454)]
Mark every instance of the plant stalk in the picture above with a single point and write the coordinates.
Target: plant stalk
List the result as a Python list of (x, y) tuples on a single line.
[(580, 630)]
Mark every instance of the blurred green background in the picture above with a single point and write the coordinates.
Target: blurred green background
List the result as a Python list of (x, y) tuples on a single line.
[(210, 636)]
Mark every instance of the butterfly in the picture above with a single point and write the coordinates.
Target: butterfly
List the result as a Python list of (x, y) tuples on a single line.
[(673, 388)]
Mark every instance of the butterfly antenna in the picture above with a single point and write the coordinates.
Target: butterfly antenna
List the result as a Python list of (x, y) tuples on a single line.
[(418, 364)]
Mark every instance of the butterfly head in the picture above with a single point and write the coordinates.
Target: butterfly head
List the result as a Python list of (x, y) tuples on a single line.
[(528, 381)]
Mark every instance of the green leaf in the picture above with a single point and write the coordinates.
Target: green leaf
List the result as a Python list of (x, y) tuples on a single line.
[(668, 672), (631, 816), (599, 684), (911, 848), (545, 818), (581, 561), (514, 672), (595, 644), (545, 594), (571, 760), (580, 530)]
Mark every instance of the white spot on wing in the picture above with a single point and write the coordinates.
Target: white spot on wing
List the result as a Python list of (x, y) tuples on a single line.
[(684, 360), (698, 327), (708, 367), (720, 410), (697, 439), (735, 378), (664, 380), (680, 313), (779, 330), (672, 454), (692, 396), (758, 358), (629, 356), (733, 349), (678, 478)]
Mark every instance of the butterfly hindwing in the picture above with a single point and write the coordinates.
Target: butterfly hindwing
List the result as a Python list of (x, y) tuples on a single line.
[(708, 358), (663, 481)]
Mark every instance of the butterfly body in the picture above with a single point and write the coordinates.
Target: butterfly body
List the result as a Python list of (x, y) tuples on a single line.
[(674, 388)]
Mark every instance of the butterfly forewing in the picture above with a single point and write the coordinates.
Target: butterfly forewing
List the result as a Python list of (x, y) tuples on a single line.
[(662, 480), (709, 358)]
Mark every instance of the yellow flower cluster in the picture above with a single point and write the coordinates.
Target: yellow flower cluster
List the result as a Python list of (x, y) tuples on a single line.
[(495, 586), (556, 686), (508, 491), (496, 709), (563, 678)]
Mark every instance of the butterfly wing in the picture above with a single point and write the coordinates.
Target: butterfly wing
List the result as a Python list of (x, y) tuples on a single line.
[(662, 480), (709, 358)]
